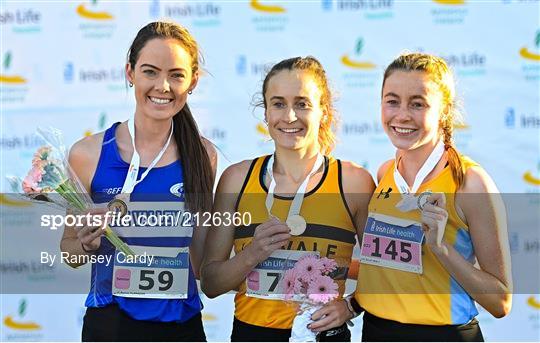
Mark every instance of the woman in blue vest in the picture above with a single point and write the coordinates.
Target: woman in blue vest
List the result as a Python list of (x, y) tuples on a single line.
[(172, 169)]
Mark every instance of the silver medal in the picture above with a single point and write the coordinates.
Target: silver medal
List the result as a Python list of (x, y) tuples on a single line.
[(423, 199)]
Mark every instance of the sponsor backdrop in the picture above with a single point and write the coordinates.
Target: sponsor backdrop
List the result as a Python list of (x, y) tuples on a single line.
[(62, 65)]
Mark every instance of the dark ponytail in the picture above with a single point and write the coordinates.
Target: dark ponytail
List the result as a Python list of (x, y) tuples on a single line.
[(198, 174)]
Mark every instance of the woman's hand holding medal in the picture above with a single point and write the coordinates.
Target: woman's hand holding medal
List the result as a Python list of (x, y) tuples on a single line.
[(434, 218), (90, 234), (268, 237)]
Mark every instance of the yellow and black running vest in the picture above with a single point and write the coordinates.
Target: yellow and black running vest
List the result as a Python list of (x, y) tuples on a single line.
[(430, 298), (330, 231)]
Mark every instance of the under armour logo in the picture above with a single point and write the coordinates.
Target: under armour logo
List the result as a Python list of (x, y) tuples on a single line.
[(386, 194)]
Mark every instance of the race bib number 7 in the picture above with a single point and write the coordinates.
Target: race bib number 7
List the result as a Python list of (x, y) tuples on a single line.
[(393, 243), (266, 280)]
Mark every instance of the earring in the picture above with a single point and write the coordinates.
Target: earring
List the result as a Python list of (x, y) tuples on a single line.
[(131, 84), (190, 92)]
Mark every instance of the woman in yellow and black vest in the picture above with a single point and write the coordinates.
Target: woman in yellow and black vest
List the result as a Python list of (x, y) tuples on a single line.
[(435, 241), (299, 200)]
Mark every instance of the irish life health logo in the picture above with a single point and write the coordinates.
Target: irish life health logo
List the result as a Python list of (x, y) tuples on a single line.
[(271, 17), (93, 14), (372, 9), (532, 302), (531, 60), (266, 8), (6, 77), (467, 64), (449, 12), (102, 123), (19, 328), (22, 21), (360, 72), (530, 178), (197, 13), (14, 88), (354, 61), (529, 54), (96, 23)]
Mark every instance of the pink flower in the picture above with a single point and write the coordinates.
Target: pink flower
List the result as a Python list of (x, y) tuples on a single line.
[(328, 265), (322, 289), (291, 284), (308, 267), (31, 182), (42, 154)]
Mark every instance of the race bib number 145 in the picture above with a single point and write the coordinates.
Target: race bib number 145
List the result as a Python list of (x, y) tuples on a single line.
[(393, 243)]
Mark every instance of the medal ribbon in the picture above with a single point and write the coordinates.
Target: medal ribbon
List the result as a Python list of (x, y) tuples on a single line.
[(299, 196), (131, 177), (432, 160)]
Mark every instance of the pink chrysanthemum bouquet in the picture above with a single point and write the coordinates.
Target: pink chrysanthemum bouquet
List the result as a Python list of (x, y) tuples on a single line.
[(309, 283)]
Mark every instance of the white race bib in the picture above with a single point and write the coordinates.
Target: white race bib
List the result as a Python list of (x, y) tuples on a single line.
[(266, 280), (392, 243), (153, 273)]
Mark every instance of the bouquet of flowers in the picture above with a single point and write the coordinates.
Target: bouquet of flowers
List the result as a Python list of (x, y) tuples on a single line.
[(309, 284), (52, 181)]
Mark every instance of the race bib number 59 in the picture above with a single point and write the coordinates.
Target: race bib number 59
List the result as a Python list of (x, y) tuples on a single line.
[(157, 273)]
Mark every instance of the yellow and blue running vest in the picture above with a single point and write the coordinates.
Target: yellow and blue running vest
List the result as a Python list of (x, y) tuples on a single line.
[(430, 298), (330, 231)]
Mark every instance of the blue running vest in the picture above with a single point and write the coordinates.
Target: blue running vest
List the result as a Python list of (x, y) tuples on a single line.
[(108, 180)]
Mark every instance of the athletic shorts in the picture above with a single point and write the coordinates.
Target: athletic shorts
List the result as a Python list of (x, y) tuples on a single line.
[(377, 329), (244, 332), (112, 324)]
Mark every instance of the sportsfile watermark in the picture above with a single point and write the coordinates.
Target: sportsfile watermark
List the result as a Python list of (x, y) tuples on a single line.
[(145, 218), (36, 252)]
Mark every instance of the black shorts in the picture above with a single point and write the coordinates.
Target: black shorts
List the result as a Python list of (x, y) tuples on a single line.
[(244, 332), (377, 329), (110, 323)]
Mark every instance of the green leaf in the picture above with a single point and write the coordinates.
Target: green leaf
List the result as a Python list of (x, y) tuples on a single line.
[(102, 120), (359, 46), (537, 40), (94, 2), (7, 60), (22, 307)]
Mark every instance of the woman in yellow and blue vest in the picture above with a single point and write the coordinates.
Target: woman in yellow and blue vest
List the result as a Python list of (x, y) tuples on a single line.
[(299, 201), (435, 241)]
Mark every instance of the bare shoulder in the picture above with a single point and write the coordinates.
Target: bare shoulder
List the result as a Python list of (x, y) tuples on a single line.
[(356, 179), (383, 168), (477, 180), (84, 157), (233, 177)]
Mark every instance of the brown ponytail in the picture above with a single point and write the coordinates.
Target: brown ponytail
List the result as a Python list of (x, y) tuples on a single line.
[(454, 159), (198, 178)]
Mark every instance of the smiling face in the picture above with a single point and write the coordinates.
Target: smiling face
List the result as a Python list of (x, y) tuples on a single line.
[(293, 110), (411, 109), (162, 77)]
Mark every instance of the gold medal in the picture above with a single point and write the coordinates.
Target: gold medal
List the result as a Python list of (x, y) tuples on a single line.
[(117, 205), (297, 224)]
